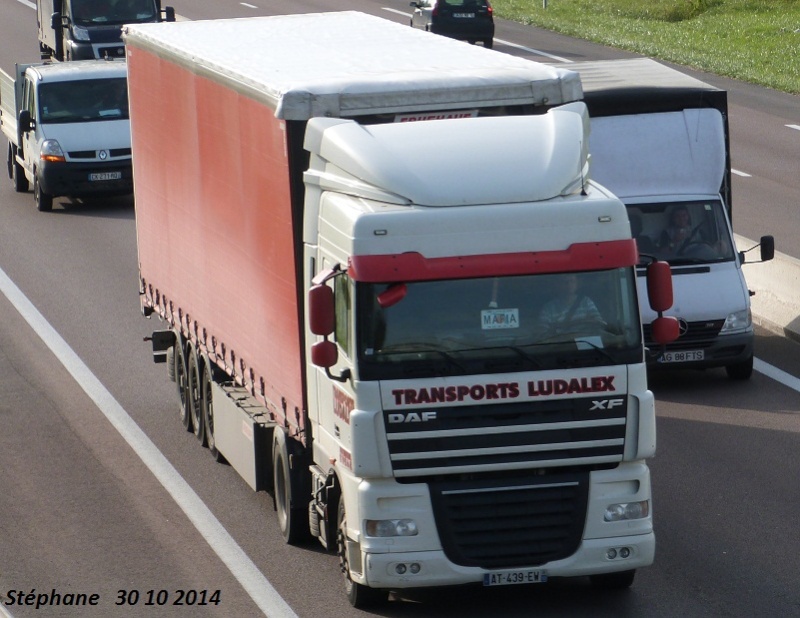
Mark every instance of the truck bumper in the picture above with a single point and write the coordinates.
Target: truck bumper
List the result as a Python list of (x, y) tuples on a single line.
[(421, 561), (436, 570), (75, 179), (721, 351)]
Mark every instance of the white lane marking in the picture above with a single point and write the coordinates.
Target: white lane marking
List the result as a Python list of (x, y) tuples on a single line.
[(794, 126), (31, 5), (740, 173), (249, 6), (502, 41), (220, 540), (776, 374)]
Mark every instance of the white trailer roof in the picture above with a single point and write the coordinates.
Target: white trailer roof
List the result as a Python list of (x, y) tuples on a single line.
[(349, 63)]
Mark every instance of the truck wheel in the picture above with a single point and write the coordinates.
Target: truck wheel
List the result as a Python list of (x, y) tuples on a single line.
[(44, 202), (179, 373), (289, 486), (207, 405), (740, 371), (613, 581), (359, 595), (194, 394)]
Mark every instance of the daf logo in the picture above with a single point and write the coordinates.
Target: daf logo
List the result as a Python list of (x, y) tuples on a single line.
[(102, 155), (683, 327), (412, 417)]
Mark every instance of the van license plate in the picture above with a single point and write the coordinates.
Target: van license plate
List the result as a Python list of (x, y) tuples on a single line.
[(507, 578), (682, 357), (105, 176)]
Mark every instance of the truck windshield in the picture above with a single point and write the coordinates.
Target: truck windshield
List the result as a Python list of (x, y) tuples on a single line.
[(499, 324), (83, 100), (693, 232), (96, 12)]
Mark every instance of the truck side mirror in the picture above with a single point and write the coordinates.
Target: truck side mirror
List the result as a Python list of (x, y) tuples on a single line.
[(321, 314), (169, 13), (665, 329), (324, 354), (659, 286), (25, 121), (767, 248)]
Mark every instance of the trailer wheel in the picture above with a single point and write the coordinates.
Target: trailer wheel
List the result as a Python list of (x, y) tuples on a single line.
[(179, 373), (207, 405), (194, 393), (613, 581), (740, 371), (44, 202), (359, 595), (291, 491)]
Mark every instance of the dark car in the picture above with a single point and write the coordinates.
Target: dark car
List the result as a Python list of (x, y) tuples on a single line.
[(466, 20)]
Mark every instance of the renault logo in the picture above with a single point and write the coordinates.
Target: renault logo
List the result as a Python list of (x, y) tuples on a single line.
[(683, 327), (102, 155)]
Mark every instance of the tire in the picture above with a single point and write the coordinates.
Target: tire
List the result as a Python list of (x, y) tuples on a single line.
[(181, 383), (488, 43), (288, 485), (44, 202), (613, 581), (15, 172), (740, 371), (207, 406), (359, 595), (194, 394)]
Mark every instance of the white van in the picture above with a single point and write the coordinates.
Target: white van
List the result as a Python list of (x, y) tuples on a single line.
[(660, 142), (68, 129)]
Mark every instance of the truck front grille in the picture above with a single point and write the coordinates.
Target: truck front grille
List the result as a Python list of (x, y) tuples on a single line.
[(512, 521), (580, 432)]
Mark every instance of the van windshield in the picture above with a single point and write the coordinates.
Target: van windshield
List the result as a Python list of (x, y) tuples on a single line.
[(96, 12), (85, 100), (693, 232), (499, 324)]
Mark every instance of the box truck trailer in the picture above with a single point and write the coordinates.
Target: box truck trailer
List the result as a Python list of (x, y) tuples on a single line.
[(393, 298), (660, 142)]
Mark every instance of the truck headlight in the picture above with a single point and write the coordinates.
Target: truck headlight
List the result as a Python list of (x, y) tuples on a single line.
[(51, 151), (627, 510), (391, 527), (740, 320), (80, 34)]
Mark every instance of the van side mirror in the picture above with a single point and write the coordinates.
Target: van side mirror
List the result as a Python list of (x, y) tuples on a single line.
[(25, 121), (55, 21), (659, 286), (169, 13), (321, 313), (767, 248)]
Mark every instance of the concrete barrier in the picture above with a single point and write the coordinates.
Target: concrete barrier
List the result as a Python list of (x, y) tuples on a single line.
[(776, 303)]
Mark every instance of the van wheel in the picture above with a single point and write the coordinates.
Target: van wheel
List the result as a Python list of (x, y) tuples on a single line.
[(15, 171), (613, 581), (359, 595), (740, 371), (44, 202), (488, 43)]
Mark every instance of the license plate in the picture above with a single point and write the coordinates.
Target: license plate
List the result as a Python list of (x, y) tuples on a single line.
[(467, 15), (507, 578), (105, 176), (682, 357)]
